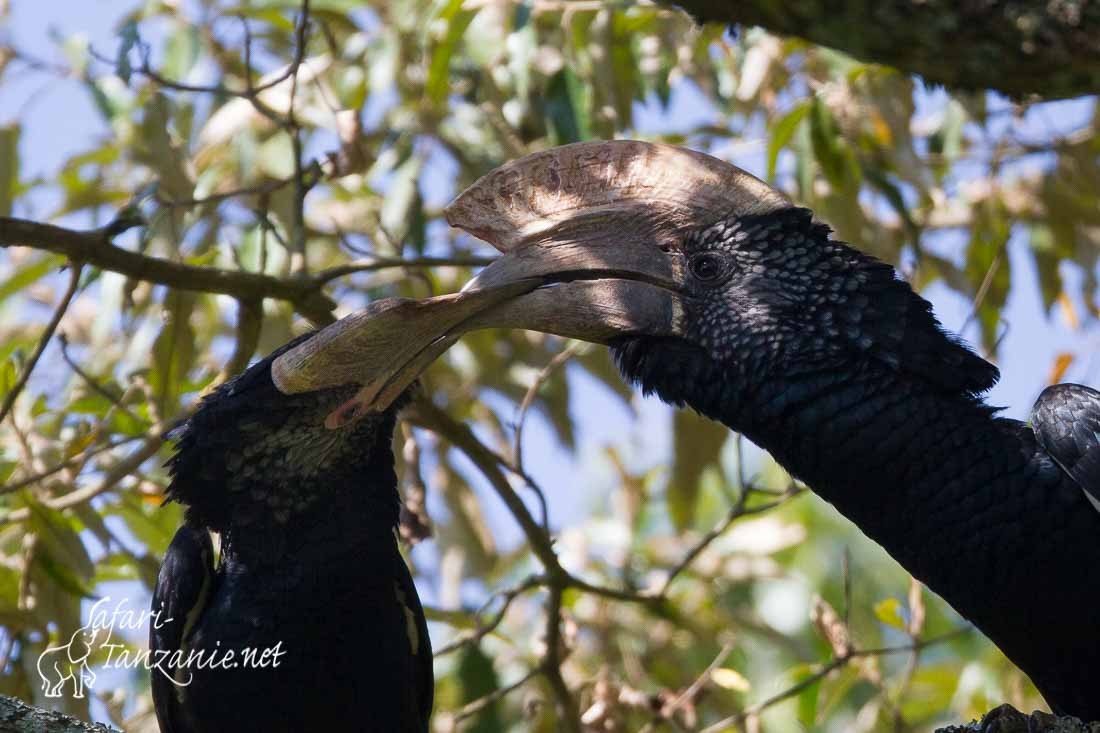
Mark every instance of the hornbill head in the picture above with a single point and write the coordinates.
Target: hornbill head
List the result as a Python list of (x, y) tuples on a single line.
[(254, 456), (700, 276)]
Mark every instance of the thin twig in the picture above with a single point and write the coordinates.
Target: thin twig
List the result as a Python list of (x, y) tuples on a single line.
[(95, 248), (521, 418), (117, 401), (111, 477), (568, 710), (736, 512), (508, 595), (250, 91), (425, 414), (414, 523), (59, 313), (78, 459), (824, 671), (983, 289), (693, 689), (476, 706)]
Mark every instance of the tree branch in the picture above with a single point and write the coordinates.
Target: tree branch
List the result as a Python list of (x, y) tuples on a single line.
[(51, 327), (111, 477), (1018, 47), (306, 294), (96, 248), (18, 717)]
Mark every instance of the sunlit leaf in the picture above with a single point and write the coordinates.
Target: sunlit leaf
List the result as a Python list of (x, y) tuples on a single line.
[(455, 19), (1069, 312), (889, 611), (1058, 369), (831, 151), (730, 679), (9, 166), (398, 210), (173, 350), (32, 271), (181, 52), (782, 132), (988, 267), (60, 543)]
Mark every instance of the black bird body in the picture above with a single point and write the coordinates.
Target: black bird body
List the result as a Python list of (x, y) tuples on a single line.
[(847, 380), (310, 582)]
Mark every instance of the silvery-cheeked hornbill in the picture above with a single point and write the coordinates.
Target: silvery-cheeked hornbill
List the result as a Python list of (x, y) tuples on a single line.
[(310, 593), (714, 291)]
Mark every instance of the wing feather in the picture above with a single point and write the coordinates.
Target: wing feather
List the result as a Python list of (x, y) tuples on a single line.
[(1066, 420), (184, 585)]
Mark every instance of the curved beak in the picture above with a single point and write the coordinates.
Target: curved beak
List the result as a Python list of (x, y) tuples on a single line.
[(385, 347), (591, 235)]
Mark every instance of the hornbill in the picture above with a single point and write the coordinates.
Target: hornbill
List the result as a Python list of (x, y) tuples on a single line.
[(714, 291), (309, 620)]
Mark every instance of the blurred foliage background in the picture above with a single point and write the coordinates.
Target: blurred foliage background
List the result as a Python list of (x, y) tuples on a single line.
[(317, 150)]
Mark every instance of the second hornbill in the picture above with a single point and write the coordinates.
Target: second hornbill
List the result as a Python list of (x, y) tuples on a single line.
[(309, 620), (714, 291)]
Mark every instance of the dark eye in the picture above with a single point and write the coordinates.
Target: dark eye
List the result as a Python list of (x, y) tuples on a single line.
[(706, 266)]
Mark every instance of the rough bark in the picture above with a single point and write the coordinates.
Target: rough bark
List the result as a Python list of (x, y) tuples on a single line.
[(18, 717), (1049, 48), (1007, 719)]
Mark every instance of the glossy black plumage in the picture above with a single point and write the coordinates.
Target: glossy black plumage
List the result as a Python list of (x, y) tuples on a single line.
[(1066, 419), (819, 354), (309, 570)]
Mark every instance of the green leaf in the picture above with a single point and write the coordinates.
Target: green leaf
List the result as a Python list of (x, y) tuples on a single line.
[(9, 166), (455, 618), (181, 52), (892, 193), (807, 704), (9, 375), (128, 39), (988, 267), (163, 151), (566, 108), (931, 691), (478, 678), (889, 612), (439, 77), (59, 541), (398, 208), (28, 273), (276, 156), (63, 576), (697, 445), (832, 152), (782, 132), (807, 698), (173, 351), (153, 526), (947, 141), (7, 468), (1047, 264)]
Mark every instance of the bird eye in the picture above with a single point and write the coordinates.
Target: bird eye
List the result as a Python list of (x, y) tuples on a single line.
[(706, 266)]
